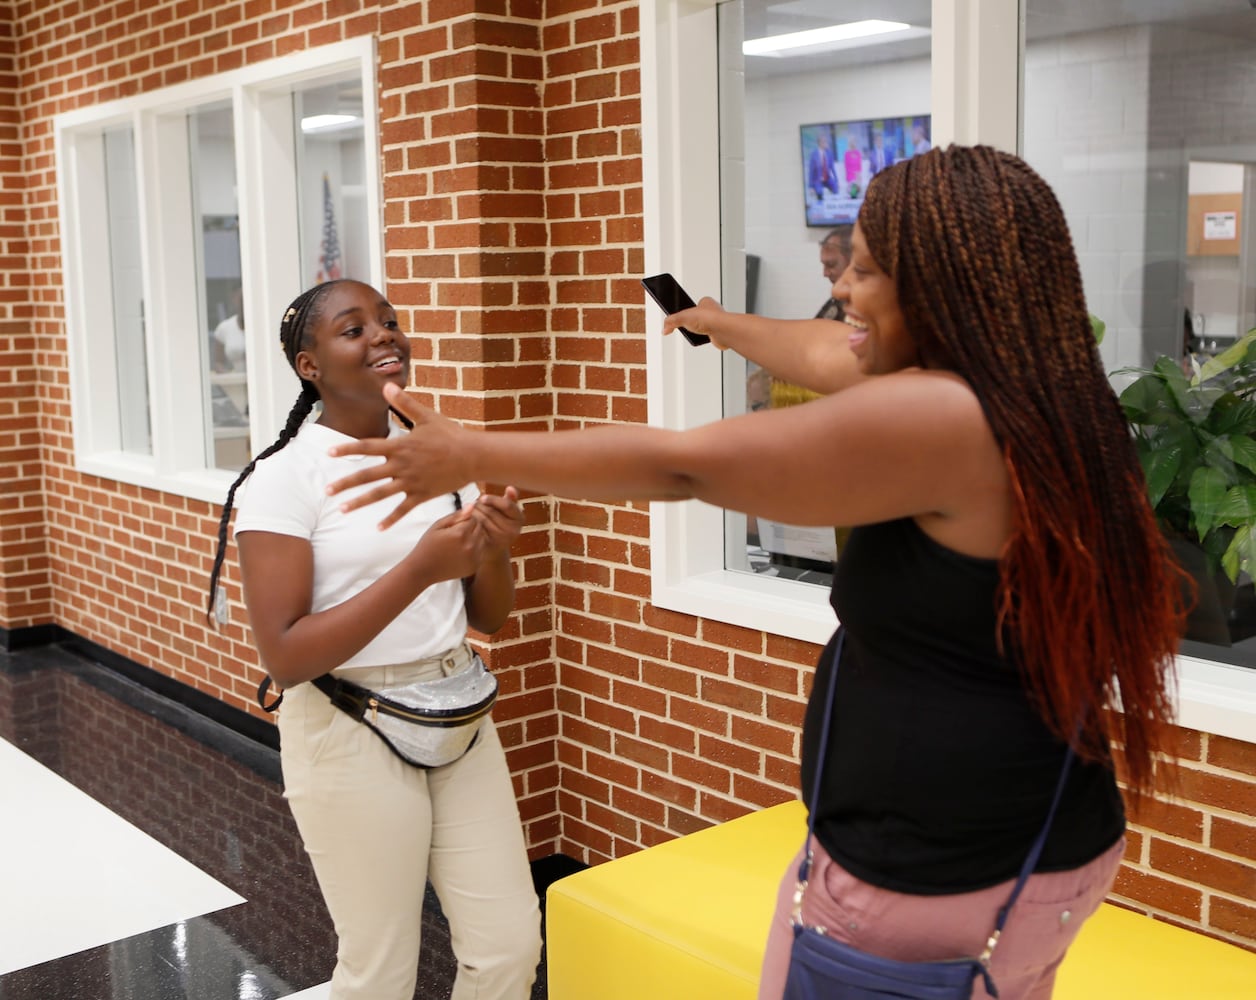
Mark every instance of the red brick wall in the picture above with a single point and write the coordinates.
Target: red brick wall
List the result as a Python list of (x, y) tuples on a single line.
[(513, 211), (24, 595)]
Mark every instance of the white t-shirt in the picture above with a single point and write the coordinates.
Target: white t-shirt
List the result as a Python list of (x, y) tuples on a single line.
[(286, 494), (230, 334)]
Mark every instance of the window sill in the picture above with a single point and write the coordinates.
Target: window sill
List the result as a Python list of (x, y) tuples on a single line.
[(210, 485), (1212, 697)]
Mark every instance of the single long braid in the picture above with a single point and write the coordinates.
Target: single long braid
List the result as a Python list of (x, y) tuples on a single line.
[(1090, 599), (292, 337)]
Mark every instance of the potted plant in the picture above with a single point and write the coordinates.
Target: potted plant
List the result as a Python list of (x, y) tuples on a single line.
[(1195, 429)]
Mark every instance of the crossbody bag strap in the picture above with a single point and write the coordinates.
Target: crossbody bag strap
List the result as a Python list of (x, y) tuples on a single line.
[(262, 688), (804, 870)]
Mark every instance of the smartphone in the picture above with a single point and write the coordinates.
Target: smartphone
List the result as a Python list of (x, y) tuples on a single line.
[(666, 291)]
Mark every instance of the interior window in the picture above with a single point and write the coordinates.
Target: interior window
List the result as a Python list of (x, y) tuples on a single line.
[(127, 285), (1136, 116), (186, 220), (216, 211), (831, 92)]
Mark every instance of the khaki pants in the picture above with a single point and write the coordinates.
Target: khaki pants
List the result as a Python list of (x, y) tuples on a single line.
[(376, 829)]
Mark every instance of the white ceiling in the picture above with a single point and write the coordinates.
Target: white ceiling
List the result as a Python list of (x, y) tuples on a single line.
[(1044, 19)]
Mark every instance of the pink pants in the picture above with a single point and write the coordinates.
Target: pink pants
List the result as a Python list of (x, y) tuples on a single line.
[(1046, 918)]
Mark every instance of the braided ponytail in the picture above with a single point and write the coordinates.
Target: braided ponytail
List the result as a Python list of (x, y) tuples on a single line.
[(292, 337)]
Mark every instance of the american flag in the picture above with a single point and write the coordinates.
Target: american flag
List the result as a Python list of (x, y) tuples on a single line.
[(329, 252)]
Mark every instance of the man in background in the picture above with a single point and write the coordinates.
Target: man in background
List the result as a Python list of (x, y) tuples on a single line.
[(834, 256)]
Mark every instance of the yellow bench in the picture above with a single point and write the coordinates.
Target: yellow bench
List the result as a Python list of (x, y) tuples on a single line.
[(687, 920)]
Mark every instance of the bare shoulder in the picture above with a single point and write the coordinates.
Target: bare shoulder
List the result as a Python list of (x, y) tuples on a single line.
[(973, 512), (908, 395)]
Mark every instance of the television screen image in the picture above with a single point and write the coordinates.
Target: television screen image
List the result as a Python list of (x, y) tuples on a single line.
[(840, 158)]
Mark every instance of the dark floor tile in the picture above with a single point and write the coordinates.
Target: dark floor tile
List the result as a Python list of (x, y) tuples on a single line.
[(214, 797)]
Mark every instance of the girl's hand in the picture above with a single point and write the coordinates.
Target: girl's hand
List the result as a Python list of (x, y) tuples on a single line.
[(703, 318), (423, 464), (452, 548), (500, 518)]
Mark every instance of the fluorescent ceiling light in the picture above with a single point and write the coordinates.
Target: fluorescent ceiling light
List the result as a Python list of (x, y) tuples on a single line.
[(317, 123), (836, 36)]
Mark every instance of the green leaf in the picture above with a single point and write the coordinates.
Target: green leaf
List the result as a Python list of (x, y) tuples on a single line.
[(1232, 415), (1207, 494), (1239, 506), (1161, 468), (1240, 556), (1239, 351), (1147, 400), (1098, 327), (1243, 449)]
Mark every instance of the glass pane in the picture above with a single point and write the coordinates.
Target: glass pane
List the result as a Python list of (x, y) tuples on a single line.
[(805, 121), (331, 157), (122, 192), (212, 137), (1139, 117)]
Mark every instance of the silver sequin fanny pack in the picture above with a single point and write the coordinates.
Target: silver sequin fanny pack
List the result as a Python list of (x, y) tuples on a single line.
[(425, 723)]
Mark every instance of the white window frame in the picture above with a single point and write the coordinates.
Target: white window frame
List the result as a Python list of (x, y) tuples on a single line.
[(976, 85), (266, 171)]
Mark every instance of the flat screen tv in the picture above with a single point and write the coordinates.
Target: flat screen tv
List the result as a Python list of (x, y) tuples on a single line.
[(840, 158)]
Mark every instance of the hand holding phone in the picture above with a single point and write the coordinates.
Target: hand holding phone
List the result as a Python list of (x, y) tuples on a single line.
[(666, 291)]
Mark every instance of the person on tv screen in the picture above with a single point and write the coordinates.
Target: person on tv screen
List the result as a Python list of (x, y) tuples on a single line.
[(853, 164), (821, 168), (919, 139), (879, 155)]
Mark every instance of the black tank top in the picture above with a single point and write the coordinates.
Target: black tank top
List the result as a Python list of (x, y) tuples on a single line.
[(939, 773)]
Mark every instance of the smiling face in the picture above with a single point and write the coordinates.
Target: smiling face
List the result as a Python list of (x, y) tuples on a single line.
[(351, 349), (880, 339)]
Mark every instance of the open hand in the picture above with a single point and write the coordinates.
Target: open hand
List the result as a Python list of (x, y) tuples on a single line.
[(423, 464)]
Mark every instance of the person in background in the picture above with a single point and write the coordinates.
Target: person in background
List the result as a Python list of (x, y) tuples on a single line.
[(834, 259), (227, 340), (327, 592), (1004, 586), (834, 256), (822, 168)]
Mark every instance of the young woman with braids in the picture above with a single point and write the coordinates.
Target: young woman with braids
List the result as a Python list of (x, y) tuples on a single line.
[(1004, 584), (327, 592)]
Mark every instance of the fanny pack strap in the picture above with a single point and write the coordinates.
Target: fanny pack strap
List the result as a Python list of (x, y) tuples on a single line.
[(1030, 863)]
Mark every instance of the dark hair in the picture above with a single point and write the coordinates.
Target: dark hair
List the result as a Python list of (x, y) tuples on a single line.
[(841, 236), (1090, 599), (293, 328)]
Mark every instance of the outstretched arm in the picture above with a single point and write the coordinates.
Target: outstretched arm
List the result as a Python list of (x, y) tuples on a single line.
[(811, 353), (907, 444)]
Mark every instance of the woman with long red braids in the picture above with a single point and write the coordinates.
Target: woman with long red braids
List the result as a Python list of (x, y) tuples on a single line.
[(1004, 594)]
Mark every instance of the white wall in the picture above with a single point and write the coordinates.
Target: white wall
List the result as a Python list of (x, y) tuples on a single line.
[(1112, 121)]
